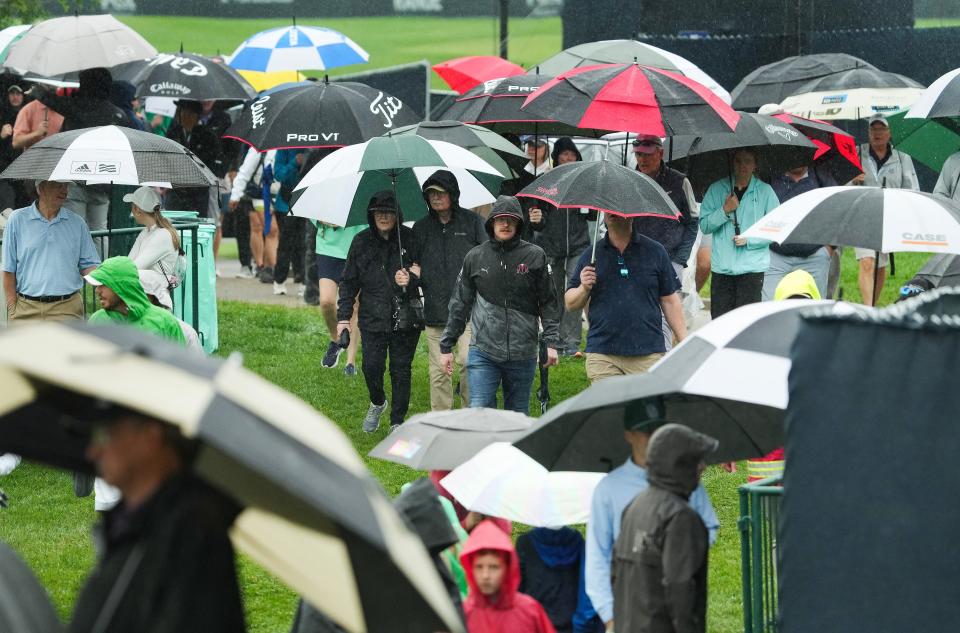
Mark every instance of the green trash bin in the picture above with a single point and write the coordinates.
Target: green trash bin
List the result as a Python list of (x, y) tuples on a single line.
[(119, 218), (207, 326)]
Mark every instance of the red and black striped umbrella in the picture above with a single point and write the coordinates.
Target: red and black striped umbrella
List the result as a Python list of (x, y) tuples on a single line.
[(836, 150), (632, 98)]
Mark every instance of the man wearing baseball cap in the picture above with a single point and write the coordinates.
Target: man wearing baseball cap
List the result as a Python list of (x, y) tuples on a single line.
[(123, 301), (885, 167)]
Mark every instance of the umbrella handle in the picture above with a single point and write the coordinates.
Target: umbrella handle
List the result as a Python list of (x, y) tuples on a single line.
[(596, 233)]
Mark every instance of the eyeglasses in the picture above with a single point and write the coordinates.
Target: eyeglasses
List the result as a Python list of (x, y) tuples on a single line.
[(624, 271), (433, 193)]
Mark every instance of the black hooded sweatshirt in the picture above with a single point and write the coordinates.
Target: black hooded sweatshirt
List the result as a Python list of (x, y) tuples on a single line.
[(442, 248), (659, 569), (372, 262), (504, 289)]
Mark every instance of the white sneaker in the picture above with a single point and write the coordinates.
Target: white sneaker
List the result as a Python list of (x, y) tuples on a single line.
[(301, 290), (279, 289), (245, 273), (8, 461), (219, 274)]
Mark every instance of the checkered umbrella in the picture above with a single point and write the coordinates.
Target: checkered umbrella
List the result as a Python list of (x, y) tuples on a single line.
[(297, 48), (111, 154), (311, 513)]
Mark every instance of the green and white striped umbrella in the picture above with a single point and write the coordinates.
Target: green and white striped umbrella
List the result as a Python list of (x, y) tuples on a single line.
[(338, 188)]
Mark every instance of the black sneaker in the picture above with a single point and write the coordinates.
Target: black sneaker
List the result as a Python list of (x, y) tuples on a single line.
[(350, 370), (266, 275), (332, 357)]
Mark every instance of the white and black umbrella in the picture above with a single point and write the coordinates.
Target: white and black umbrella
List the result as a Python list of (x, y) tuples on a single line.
[(885, 220), (853, 94), (111, 154), (940, 99), (184, 76), (76, 42), (319, 114), (442, 440), (312, 514)]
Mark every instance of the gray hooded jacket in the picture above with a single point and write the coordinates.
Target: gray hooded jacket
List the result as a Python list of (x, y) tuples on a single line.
[(659, 571)]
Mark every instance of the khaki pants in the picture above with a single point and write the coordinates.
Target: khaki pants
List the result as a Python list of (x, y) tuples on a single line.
[(30, 310), (441, 385), (600, 366)]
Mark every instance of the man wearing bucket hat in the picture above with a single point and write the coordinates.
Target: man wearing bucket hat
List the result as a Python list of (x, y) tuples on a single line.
[(123, 301), (615, 492)]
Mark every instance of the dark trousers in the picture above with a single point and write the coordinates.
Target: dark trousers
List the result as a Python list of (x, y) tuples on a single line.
[(728, 292), (290, 248), (241, 229), (311, 280), (400, 346)]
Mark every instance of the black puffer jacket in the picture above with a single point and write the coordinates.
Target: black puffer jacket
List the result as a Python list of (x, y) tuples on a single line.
[(372, 262), (659, 569), (504, 289), (442, 248)]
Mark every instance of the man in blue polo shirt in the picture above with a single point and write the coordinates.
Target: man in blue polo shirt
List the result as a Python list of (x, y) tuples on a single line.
[(46, 251), (630, 288)]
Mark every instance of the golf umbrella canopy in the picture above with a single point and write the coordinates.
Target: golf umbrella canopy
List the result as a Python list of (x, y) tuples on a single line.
[(778, 147), (885, 220), (836, 150), (442, 440), (940, 99), (603, 186), (24, 604), (941, 270), (585, 432), (9, 35), (853, 94), (111, 154), (184, 76), (76, 42), (929, 141), (503, 481), (297, 48), (311, 514), (318, 114), (464, 73), (485, 143), (632, 98), (626, 52), (339, 187), (774, 82)]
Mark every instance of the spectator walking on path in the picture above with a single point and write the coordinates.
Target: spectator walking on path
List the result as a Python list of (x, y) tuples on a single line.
[(188, 131), (631, 288), (564, 235), (444, 237), (503, 290), (46, 250), (247, 196), (157, 246), (614, 493), (786, 258), (290, 248), (167, 564), (731, 206), (332, 245), (380, 270), (883, 166), (660, 557), (494, 604)]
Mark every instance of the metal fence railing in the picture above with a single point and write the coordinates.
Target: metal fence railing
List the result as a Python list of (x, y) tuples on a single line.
[(759, 521)]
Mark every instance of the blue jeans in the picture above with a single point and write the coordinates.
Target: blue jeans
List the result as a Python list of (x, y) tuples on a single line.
[(485, 375)]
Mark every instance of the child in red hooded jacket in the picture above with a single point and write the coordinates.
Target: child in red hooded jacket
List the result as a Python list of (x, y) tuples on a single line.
[(493, 574)]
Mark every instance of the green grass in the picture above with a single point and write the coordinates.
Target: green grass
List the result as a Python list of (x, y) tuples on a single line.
[(389, 40)]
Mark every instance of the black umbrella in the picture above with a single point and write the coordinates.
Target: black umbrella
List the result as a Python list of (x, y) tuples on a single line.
[(311, 514), (585, 433), (942, 270), (24, 604), (777, 145), (774, 82), (184, 76), (856, 78), (319, 114)]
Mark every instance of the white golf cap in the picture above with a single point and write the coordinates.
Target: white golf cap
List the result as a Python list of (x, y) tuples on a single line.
[(878, 118), (145, 198), (90, 279)]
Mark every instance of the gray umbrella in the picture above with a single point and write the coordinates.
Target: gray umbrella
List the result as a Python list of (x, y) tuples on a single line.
[(111, 154), (24, 604), (442, 440), (942, 270), (77, 42)]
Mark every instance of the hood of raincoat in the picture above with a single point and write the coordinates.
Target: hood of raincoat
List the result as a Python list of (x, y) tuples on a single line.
[(557, 548), (673, 458), (487, 536), (95, 83), (420, 506), (446, 181), (798, 284), (564, 143), (505, 205), (379, 200), (120, 274)]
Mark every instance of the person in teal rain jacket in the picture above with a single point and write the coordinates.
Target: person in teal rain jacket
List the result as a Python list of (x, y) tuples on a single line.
[(730, 207)]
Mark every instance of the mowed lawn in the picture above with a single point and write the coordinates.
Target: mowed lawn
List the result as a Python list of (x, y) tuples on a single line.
[(390, 41)]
